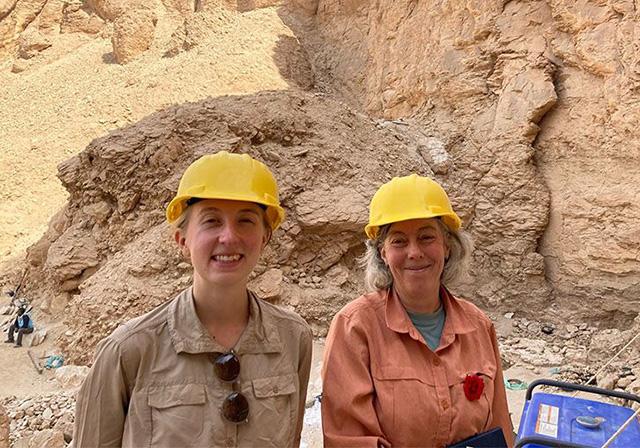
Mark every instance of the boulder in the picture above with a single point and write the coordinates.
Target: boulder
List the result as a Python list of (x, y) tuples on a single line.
[(35, 338), (72, 253), (31, 42), (108, 9), (133, 33), (71, 377), (268, 286), (79, 19)]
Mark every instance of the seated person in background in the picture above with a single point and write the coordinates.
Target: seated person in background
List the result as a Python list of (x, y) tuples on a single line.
[(410, 364), (22, 325)]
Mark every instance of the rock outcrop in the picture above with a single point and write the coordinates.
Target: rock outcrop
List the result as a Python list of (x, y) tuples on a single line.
[(121, 183), (133, 33), (526, 111), (547, 92)]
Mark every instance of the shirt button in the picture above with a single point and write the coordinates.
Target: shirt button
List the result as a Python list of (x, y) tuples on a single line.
[(275, 389), (445, 405), (436, 362)]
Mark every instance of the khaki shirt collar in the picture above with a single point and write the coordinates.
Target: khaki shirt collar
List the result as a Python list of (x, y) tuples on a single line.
[(189, 336), (457, 322)]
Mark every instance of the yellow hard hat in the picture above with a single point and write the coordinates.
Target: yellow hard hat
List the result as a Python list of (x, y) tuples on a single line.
[(236, 177), (409, 197)]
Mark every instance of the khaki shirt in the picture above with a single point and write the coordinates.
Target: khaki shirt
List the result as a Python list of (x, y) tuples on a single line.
[(152, 383), (383, 386)]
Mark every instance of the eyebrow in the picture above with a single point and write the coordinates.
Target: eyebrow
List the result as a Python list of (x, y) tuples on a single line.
[(427, 227), (243, 210)]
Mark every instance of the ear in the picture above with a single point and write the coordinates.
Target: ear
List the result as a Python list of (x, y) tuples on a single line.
[(383, 254), (181, 240)]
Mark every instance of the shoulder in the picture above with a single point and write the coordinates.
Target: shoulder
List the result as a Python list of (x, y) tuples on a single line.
[(365, 306), (131, 332)]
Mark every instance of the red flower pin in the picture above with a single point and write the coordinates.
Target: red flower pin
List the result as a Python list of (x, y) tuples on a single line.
[(473, 386)]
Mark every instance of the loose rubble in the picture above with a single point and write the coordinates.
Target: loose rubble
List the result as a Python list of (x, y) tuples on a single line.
[(31, 416)]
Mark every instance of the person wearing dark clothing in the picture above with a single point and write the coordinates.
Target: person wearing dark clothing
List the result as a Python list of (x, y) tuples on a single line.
[(22, 325)]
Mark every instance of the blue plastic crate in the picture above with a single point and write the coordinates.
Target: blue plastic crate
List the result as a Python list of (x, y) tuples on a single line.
[(550, 420)]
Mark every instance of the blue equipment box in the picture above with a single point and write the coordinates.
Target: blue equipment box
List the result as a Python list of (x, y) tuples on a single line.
[(550, 420)]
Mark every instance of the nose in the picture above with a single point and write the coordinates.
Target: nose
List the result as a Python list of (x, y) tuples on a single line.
[(413, 250), (228, 233)]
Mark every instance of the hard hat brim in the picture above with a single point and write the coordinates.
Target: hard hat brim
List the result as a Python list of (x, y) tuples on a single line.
[(178, 205), (451, 220)]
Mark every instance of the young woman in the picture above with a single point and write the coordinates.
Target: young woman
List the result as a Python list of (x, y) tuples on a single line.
[(215, 366)]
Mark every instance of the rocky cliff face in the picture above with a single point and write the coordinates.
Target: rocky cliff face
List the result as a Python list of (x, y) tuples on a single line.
[(525, 111), (537, 101), (111, 254)]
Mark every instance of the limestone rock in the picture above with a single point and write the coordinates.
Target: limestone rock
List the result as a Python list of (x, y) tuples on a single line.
[(524, 100), (50, 17), (48, 437), (71, 254), (108, 9), (605, 343), (35, 338), (607, 380), (434, 153), (71, 377), (338, 207), (80, 19), (18, 16), (6, 6), (309, 7), (183, 7), (133, 34), (19, 66), (268, 286), (196, 28), (31, 42)]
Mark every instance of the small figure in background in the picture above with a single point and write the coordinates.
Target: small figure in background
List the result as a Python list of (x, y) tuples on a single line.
[(22, 325)]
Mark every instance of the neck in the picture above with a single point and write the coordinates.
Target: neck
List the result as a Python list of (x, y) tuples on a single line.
[(220, 308), (423, 301)]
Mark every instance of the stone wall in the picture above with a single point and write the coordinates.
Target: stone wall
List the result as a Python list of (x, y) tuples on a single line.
[(538, 103)]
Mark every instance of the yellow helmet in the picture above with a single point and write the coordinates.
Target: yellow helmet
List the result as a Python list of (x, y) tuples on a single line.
[(409, 197), (236, 177)]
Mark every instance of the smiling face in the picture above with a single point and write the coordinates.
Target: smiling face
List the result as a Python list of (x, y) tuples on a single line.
[(415, 252), (224, 240)]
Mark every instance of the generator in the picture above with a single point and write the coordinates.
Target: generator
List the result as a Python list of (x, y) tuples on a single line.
[(556, 420)]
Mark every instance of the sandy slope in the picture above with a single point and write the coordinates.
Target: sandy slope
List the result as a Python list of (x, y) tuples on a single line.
[(73, 92)]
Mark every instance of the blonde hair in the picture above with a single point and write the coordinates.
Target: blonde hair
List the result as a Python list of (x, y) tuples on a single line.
[(377, 275)]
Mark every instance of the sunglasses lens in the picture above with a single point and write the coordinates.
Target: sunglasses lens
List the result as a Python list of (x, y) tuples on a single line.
[(235, 408), (227, 366)]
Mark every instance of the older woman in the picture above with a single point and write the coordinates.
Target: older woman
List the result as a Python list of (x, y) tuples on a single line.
[(409, 364), (215, 366)]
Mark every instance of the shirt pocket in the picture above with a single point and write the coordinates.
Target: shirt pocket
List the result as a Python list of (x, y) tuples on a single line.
[(405, 401), (177, 415), (273, 410), (473, 415)]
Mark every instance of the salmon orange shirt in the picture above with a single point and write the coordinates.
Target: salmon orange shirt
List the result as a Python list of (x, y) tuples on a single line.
[(383, 386)]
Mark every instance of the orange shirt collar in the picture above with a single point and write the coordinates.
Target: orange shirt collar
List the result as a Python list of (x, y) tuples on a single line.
[(456, 321)]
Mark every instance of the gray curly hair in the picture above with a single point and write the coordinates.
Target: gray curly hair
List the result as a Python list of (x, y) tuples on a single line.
[(377, 275)]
